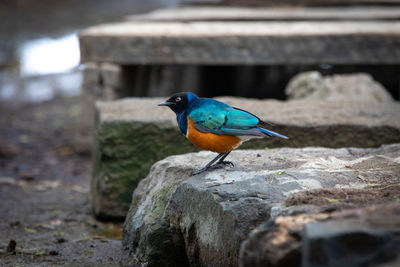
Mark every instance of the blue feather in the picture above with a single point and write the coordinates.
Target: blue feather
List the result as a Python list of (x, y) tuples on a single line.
[(213, 116), (270, 133)]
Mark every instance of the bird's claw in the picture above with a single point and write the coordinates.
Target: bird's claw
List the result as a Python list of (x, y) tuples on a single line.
[(225, 162)]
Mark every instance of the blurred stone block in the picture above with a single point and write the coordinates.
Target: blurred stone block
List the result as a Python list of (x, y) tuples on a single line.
[(229, 13), (133, 133), (99, 79), (240, 50), (339, 87), (303, 2), (260, 42)]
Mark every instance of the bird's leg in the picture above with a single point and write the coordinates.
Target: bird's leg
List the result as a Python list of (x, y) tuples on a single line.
[(220, 162), (223, 162), (223, 155)]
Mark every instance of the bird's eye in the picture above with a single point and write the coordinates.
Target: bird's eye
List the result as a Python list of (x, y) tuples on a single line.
[(178, 99)]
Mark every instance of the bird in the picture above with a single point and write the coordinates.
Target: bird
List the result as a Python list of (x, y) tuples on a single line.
[(212, 125)]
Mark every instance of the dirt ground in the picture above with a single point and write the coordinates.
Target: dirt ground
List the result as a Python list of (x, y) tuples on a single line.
[(44, 168), (44, 191)]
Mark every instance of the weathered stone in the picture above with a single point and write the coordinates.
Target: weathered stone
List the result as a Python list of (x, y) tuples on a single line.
[(352, 237), (276, 242), (345, 87), (369, 237), (90, 75), (132, 134), (98, 78), (303, 3), (215, 13), (204, 218), (243, 43), (111, 75), (101, 81)]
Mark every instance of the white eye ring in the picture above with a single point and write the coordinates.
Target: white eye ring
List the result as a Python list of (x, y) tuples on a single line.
[(178, 99)]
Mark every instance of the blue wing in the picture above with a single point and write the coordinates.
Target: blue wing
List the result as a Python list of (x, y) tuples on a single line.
[(219, 118)]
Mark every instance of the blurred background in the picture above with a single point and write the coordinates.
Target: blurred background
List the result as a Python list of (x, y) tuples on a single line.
[(46, 116)]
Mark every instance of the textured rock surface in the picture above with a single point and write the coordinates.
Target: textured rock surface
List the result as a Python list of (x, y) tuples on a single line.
[(176, 218), (352, 237), (262, 3), (225, 13), (132, 134), (345, 87), (369, 236), (248, 42)]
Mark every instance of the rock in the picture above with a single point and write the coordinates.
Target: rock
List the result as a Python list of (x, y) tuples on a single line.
[(132, 134), (276, 242), (369, 237), (228, 13), (104, 81), (292, 3), (177, 219), (353, 237), (242, 42), (344, 87)]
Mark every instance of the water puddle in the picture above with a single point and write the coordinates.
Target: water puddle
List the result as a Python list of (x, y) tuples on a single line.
[(49, 56), (46, 67)]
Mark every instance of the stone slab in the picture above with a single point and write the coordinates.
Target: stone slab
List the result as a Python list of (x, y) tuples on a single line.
[(301, 113), (203, 219), (353, 242), (215, 13), (101, 76), (341, 42), (301, 3), (362, 236), (133, 133)]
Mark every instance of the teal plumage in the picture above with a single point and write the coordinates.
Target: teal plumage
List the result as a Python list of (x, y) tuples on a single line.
[(216, 117), (202, 120)]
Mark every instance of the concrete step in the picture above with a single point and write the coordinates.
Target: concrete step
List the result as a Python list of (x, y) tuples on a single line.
[(243, 43), (217, 13)]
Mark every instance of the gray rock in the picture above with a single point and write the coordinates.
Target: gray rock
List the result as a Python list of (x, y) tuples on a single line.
[(132, 134), (203, 219), (229, 13), (346, 87), (365, 239), (103, 81), (366, 236), (291, 3), (238, 43)]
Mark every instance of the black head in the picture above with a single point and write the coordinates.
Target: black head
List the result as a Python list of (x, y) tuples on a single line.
[(179, 102)]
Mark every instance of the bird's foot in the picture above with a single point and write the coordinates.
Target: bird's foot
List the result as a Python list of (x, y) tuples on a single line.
[(224, 163)]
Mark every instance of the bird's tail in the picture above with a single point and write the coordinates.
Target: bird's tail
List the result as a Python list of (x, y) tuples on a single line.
[(271, 133)]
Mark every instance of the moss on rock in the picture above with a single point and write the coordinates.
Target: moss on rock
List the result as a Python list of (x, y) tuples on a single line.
[(123, 155)]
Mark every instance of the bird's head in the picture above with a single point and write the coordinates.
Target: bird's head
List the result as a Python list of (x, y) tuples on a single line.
[(179, 102)]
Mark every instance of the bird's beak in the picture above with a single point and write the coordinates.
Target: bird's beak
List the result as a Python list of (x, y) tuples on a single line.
[(166, 103)]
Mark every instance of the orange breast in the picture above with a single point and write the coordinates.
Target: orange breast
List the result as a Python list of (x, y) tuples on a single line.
[(209, 141)]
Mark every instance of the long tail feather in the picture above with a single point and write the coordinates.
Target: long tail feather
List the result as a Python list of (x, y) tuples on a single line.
[(271, 133)]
